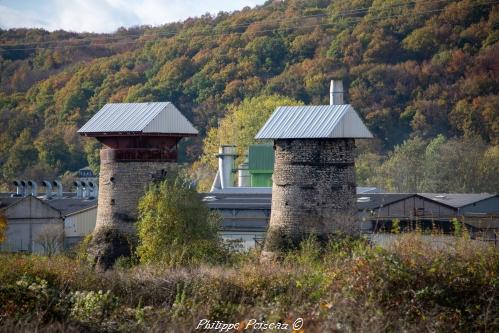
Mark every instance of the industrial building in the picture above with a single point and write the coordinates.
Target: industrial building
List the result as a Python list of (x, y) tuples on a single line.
[(32, 220), (246, 216)]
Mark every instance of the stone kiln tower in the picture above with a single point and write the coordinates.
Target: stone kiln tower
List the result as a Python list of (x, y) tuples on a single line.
[(139, 146), (314, 185)]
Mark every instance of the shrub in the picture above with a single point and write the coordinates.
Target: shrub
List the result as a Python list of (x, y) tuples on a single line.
[(89, 306), (175, 227)]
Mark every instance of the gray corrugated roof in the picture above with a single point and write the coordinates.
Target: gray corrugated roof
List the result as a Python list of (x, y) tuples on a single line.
[(8, 201), (263, 201), (457, 200), (377, 200), (314, 121), (154, 117), (69, 206)]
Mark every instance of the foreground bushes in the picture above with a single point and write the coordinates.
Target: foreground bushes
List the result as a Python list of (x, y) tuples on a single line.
[(347, 286)]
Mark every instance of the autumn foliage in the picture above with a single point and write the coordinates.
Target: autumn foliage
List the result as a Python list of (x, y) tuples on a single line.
[(413, 68)]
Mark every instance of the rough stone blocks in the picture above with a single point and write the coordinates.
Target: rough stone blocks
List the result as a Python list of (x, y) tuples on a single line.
[(121, 185), (313, 190)]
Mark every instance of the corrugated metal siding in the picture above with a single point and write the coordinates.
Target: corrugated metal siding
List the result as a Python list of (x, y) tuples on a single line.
[(314, 121), (260, 157), (136, 117), (261, 180), (80, 224)]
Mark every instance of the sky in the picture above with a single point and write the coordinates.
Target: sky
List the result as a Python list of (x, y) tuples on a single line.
[(107, 15)]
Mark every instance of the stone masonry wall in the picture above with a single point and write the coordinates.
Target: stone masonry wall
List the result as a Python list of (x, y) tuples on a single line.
[(121, 185), (313, 190)]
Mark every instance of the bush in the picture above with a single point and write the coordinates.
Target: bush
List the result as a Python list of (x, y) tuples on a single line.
[(175, 227)]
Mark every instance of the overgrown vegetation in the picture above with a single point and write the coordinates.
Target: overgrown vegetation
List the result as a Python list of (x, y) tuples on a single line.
[(413, 69), (175, 227), (343, 287)]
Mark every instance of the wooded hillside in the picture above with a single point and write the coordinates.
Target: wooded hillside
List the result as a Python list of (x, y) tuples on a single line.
[(412, 68)]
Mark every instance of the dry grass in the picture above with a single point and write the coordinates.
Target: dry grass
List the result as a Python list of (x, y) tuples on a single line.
[(349, 286)]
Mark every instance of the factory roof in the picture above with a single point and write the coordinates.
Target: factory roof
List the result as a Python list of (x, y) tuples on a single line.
[(457, 200), (218, 200), (69, 206), (160, 118), (65, 206), (314, 122), (377, 200), (8, 201)]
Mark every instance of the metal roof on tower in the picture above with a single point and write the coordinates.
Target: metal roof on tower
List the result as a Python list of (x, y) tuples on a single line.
[(314, 122), (144, 118)]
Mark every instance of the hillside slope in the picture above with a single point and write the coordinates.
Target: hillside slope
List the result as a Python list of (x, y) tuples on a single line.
[(413, 68)]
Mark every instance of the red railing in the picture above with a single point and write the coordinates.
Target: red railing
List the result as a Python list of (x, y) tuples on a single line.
[(137, 154)]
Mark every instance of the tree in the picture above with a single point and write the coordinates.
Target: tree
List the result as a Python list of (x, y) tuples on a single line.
[(21, 156), (175, 227), (241, 124), (50, 238), (3, 227)]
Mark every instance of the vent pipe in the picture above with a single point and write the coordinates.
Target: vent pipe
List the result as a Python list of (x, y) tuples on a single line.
[(243, 175), (48, 189), (34, 187), (84, 187), (226, 156), (58, 184), (336, 93), (78, 186), (24, 187), (19, 188), (94, 189)]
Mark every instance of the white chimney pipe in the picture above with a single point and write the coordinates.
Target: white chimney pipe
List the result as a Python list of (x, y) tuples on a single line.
[(77, 184), (226, 157), (243, 179), (94, 189), (85, 190), (24, 187), (336, 93), (58, 184), (48, 189), (34, 187), (19, 188)]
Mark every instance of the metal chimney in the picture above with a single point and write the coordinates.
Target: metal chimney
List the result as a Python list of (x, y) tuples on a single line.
[(48, 189), (84, 189), (336, 93), (78, 186), (58, 184), (243, 175), (226, 156), (24, 187), (34, 187), (19, 188), (94, 189)]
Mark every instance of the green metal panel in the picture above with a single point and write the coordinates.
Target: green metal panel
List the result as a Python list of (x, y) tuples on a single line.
[(261, 180), (261, 158)]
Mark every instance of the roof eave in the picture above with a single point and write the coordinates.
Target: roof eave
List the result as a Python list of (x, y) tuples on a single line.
[(134, 133)]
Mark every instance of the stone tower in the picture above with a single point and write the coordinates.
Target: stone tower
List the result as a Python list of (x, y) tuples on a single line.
[(139, 147), (313, 189)]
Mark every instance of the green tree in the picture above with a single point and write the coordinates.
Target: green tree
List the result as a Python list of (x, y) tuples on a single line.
[(404, 169), (175, 227), (22, 155), (241, 124)]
